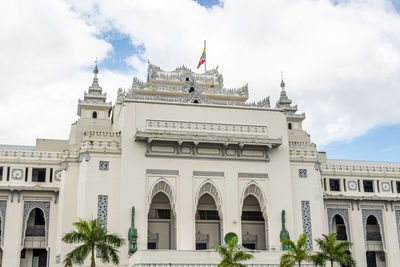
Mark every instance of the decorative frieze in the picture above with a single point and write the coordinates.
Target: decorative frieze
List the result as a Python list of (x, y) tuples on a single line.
[(307, 228), (17, 173), (361, 168), (101, 142), (217, 128), (30, 155)]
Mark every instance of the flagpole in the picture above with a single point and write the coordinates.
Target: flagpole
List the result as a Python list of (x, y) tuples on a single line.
[(205, 62)]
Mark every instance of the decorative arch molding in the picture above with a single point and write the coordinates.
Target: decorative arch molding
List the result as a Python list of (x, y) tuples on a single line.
[(344, 213), (162, 185), (254, 189), (209, 187), (378, 215), (28, 207), (3, 208)]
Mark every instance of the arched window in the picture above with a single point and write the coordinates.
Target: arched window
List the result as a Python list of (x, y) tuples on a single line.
[(253, 224), (208, 226), (94, 115), (373, 230), (36, 223), (196, 101), (339, 227), (161, 229), (191, 90)]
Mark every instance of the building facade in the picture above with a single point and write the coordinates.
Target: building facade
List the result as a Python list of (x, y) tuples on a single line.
[(176, 164)]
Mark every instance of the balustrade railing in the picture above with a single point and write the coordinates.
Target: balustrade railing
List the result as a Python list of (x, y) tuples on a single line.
[(374, 236), (37, 230)]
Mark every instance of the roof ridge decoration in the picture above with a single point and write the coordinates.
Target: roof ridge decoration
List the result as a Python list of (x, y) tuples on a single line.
[(182, 85)]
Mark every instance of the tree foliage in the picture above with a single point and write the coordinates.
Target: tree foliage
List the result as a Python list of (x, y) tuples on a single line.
[(297, 252), (232, 255), (335, 251), (92, 236)]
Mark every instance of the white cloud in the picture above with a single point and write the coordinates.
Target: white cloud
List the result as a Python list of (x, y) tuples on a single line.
[(341, 63)]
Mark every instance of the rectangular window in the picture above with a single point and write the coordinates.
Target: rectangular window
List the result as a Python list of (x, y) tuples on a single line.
[(159, 214), (207, 215), (398, 187), (201, 246), (51, 175), (249, 246), (302, 173), (252, 216), (334, 184), (1, 173), (8, 173), (151, 245), (26, 174), (38, 175), (368, 186)]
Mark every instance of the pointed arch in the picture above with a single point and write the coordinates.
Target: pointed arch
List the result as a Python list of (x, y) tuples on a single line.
[(44, 206), (162, 185), (209, 187), (253, 188)]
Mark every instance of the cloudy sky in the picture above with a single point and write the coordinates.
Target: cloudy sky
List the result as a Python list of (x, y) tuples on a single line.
[(340, 59)]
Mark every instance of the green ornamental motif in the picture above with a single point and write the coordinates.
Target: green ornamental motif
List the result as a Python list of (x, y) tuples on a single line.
[(132, 234), (284, 232)]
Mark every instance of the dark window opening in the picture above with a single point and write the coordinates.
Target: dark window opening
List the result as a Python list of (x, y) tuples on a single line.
[(252, 216), (196, 101), (151, 245), (334, 184), (159, 214), (8, 173), (372, 220), (191, 90), (1, 173), (207, 215), (339, 219), (23, 254), (26, 174), (201, 246), (94, 115), (51, 175), (398, 187), (41, 254), (368, 186), (39, 217), (38, 175), (289, 126), (249, 246), (371, 259), (187, 79)]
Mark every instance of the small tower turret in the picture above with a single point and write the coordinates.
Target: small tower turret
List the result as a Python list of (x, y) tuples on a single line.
[(94, 105), (294, 120)]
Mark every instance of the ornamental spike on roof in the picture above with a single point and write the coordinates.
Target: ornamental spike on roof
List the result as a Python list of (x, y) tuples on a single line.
[(186, 86)]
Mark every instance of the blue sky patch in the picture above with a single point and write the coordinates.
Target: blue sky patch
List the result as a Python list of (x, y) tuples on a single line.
[(208, 3), (382, 143)]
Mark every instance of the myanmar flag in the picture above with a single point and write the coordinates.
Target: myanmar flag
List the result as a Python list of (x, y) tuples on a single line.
[(202, 58)]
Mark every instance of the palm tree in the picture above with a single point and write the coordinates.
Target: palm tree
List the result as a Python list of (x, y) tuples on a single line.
[(92, 236), (231, 255), (335, 251), (297, 252)]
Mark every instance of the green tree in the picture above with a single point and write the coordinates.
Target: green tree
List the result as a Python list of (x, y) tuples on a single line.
[(91, 236), (297, 252), (335, 251), (231, 255)]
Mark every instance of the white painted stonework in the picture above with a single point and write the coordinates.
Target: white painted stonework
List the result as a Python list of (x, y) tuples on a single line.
[(197, 161)]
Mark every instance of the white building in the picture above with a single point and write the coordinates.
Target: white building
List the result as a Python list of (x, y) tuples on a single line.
[(197, 162)]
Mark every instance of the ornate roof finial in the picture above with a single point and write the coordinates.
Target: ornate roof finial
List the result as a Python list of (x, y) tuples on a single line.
[(282, 82), (96, 70)]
